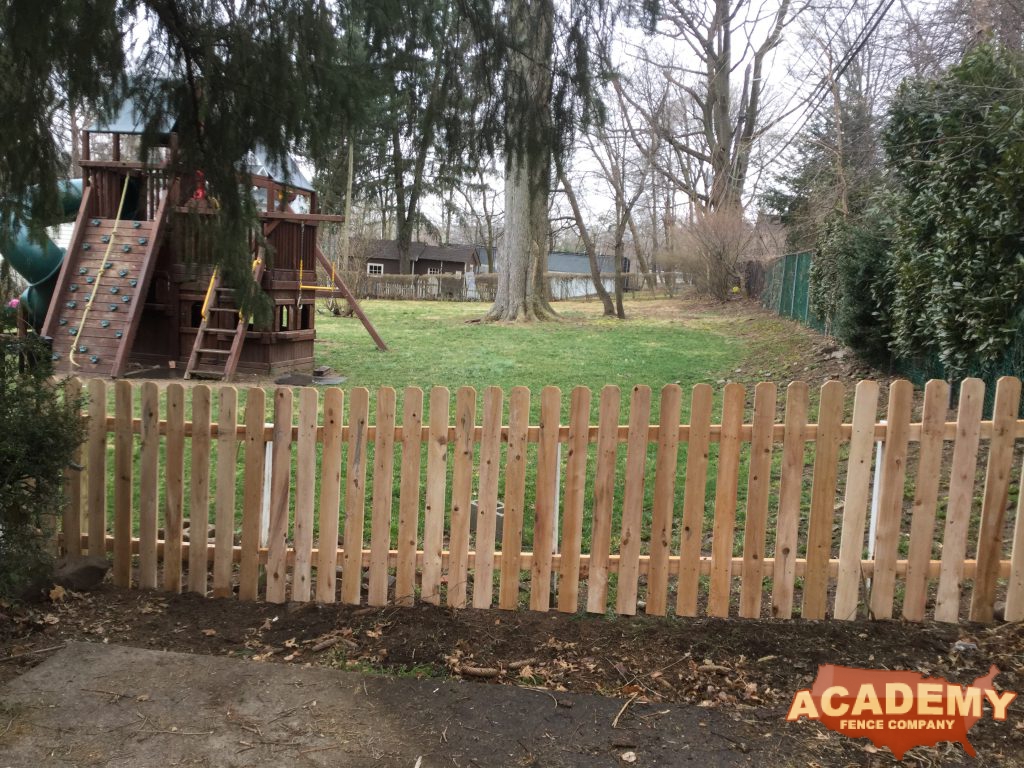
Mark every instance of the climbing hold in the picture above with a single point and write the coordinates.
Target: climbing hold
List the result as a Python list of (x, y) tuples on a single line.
[(126, 299), (122, 272), (83, 349), (73, 287), (62, 321), (95, 222), (86, 246), (71, 304), (90, 280), (72, 331), (94, 359), (55, 356), (104, 323), (112, 307), (82, 270), (126, 248), (105, 238), (114, 289), (108, 265), (118, 334), (143, 240), (136, 224), (133, 282)]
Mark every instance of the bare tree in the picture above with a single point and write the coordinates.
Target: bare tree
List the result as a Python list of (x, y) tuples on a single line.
[(589, 244), (723, 94)]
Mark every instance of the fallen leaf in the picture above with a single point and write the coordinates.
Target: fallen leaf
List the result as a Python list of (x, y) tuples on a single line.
[(628, 757), (210, 632), (57, 594)]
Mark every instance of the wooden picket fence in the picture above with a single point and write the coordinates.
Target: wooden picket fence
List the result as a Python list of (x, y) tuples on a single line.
[(792, 537)]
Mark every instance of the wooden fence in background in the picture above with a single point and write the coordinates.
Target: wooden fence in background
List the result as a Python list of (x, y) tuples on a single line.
[(793, 545)]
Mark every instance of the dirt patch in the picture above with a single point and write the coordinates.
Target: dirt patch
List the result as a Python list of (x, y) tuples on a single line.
[(744, 670)]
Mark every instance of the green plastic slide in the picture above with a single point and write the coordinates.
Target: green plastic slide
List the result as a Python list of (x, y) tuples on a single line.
[(39, 262)]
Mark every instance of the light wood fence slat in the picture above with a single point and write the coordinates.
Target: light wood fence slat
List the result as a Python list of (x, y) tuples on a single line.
[(926, 497), (515, 490), (409, 496), (383, 480), (74, 510), (149, 476), (823, 494), (462, 496), (961, 493), (633, 501), (124, 443), (434, 508), (1015, 585), (572, 500), (199, 490), (330, 497), (993, 508), (546, 492), (791, 483), (890, 504), (726, 489), (604, 498), (305, 494), (174, 486), (758, 490), (663, 501), (97, 463), (487, 498), (280, 493), (224, 511), (355, 495), (252, 493), (694, 494), (855, 502)]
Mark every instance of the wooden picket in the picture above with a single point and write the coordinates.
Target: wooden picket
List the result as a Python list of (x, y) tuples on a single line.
[(587, 507)]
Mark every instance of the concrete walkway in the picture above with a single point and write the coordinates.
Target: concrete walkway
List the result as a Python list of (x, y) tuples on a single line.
[(103, 705)]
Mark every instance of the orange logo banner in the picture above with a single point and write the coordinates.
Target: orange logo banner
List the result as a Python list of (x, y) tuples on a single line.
[(898, 710)]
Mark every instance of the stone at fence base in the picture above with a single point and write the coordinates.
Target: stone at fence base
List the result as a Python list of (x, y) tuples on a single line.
[(80, 574)]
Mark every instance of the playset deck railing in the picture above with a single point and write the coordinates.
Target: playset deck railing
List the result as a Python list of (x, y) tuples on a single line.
[(767, 517)]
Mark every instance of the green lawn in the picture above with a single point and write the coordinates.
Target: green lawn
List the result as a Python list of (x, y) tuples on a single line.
[(434, 343)]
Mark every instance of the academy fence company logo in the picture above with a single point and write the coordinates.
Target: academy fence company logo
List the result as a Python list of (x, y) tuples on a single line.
[(898, 710)]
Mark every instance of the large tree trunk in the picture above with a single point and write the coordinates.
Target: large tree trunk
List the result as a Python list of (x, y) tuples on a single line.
[(521, 293)]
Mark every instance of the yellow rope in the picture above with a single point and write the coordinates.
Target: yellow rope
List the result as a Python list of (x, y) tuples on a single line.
[(209, 292), (103, 268)]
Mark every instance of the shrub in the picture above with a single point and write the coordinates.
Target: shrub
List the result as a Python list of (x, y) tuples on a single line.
[(41, 429), (956, 149)]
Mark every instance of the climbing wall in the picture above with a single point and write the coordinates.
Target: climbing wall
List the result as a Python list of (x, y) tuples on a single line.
[(100, 296)]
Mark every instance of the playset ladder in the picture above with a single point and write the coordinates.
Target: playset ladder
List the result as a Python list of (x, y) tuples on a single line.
[(98, 301), (210, 359)]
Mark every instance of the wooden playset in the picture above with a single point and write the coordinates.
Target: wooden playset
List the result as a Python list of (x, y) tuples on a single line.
[(134, 288)]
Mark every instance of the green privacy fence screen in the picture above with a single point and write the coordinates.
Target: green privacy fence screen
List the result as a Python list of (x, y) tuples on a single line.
[(786, 291)]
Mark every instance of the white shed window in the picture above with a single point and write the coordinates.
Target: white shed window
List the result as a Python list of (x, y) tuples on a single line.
[(433, 270), (374, 268)]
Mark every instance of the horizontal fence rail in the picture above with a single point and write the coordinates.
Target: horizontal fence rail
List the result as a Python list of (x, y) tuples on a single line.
[(301, 495)]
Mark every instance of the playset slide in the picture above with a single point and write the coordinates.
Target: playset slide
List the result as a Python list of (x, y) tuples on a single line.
[(39, 262)]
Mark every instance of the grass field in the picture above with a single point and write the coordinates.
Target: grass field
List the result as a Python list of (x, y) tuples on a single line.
[(436, 343)]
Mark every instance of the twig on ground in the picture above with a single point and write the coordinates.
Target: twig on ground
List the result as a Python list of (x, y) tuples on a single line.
[(33, 652), (630, 700)]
